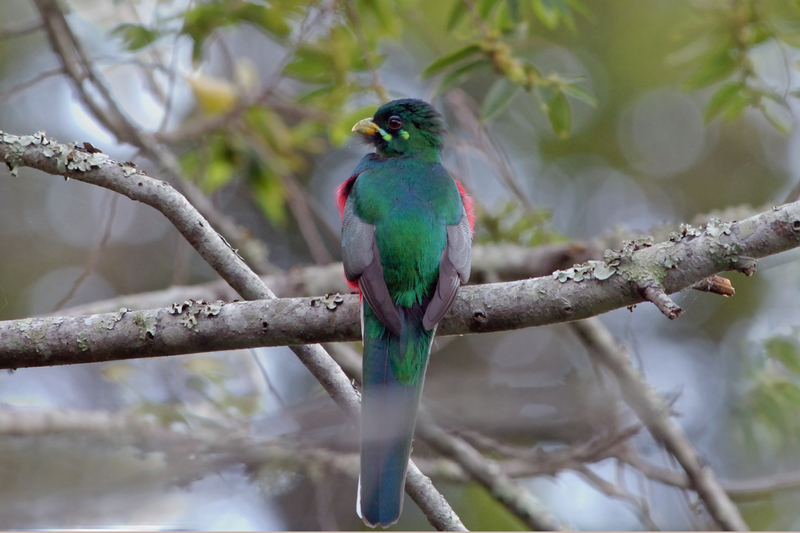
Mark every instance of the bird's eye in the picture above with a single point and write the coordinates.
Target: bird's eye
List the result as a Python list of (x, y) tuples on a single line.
[(395, 123)]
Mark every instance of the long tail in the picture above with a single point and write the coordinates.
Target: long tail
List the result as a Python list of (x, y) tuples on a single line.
[(391, 389)]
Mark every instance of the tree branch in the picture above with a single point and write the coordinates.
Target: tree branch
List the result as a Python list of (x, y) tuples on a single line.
[(572, 294), (489, 474), (498, 262), (654, 412)]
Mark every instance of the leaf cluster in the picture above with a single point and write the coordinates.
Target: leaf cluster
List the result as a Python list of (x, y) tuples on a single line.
[(500, 34), (329, 76), (722, 42)]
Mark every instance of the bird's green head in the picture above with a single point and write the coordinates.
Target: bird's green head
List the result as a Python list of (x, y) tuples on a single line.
[(404, 127)]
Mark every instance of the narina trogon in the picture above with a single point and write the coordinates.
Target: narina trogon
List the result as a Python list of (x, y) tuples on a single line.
[(406, 244)]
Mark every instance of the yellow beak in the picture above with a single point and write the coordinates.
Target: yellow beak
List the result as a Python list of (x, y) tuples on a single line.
[(366, 127)]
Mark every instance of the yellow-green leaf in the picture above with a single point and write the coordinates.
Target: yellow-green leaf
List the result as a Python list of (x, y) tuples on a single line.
[(450, 59), (716, 68), (547, 12), (580, 93), (458, 75), (560, 115), (459, 10), (270, 195), (135, 36)]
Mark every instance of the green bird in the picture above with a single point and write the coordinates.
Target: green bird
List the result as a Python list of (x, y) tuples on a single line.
[(406, 246)]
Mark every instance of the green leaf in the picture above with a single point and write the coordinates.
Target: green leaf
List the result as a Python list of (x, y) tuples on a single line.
[(498, 98), (726, 96), (784, 350), (271, 197), (459, 10), (458, 75), (580, 93), (718, 67), (264, 17), (310, 64), (200, 22), (789, 392), (759, 32), (135, 36), (769, 409), (485, 8), (560, 115), (218, 174), (580, 8), (547, 12), (450, 59)]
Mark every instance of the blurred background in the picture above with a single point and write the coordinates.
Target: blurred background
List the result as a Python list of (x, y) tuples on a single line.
[(568, 123)]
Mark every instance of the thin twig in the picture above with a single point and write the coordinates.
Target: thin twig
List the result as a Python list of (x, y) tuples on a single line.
[(617, 491), (653, 293), (489, 474), (27, 84), (94, 258)]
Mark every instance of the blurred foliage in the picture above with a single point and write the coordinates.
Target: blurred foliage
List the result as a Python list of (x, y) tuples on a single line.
[(723, 38), (333, 53), (513, 224), (774, 395), (496, 29)]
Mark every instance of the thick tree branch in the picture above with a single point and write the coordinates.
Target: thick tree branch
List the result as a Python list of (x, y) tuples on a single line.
[(495, 262), (490, 263), (572, 294)]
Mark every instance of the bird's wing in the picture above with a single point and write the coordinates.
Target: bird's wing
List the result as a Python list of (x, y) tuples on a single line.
[(362, 263), (454, 269)]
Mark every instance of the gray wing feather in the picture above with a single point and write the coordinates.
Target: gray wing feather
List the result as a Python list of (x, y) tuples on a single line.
[(454, 268), (358, 238), (362, 262), (459, 246)]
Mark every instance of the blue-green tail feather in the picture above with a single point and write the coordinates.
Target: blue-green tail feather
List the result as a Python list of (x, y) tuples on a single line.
[(394, 371)]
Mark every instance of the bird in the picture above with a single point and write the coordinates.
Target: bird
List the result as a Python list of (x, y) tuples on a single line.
[(406, 246)]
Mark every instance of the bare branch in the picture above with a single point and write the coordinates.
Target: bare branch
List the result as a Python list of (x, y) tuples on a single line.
[(616, 491), (656, 294), (654, 412), (16, 89), (499, 262), (490, 475)]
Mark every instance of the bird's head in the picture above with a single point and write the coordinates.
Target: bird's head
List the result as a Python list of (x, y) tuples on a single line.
[(404, 127)]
